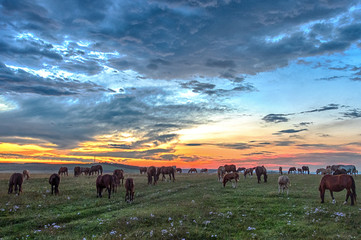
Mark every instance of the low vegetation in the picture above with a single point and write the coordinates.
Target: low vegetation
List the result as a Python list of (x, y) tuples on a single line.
[(195, 206)]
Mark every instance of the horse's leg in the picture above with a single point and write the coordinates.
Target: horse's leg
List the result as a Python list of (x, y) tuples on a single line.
[(322, 195), (109, 188), (279, 189), (333, 199), (16, 188), (347, 195)]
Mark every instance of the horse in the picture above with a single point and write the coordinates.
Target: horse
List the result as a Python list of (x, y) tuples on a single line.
[(116, 183), (240, 169), (192, 170), (299, 170), (166, 170), (320, 170), (120, 174), (334, 167), (63, 170), (77, 171), (54, 181), (178, 170), (104, 181), (229, 177), (230, 168), (339, 171), (292, 169), (351, 169), (248, 171), (142, 170), (221, 171), (152, 175), (280, 170), (129, 188), (305, 169), (17, 180), (85, 170), (261, 171), (26, 174), (204, 170), (283, 183), (96, 169), (336, 183)]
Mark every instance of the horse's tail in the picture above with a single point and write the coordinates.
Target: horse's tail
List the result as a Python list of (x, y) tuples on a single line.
[(353, 187)]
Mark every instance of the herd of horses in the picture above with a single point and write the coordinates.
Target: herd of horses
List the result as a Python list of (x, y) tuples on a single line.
[(337, 178)]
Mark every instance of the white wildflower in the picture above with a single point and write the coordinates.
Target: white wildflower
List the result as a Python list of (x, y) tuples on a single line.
[(251, 228)]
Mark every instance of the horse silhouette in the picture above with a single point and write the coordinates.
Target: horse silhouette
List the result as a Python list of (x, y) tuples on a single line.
[(54, 181)]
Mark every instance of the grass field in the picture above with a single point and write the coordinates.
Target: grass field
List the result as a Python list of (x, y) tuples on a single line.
[(194, 207)]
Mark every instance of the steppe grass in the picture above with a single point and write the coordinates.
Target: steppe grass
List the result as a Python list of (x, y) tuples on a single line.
[(195, 206)]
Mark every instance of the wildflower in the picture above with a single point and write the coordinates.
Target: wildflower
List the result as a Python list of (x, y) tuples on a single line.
[(251, 228)]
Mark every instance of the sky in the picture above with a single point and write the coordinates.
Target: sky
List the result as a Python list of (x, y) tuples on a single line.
[(190, 83)]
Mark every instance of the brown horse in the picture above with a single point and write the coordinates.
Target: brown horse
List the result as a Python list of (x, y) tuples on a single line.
[(339, 172), (152, 175), (192, 170), (337, 183), (102, 182), (129, 188), (292, 169), (85, 170), (17, 180), (248, 171), (229, 177), (97, 169), (143, 170), (240, 169), (280, 170), (305, 169), (77, 171), (178, 170), (320, 170), (116, 182), (221, 171), (26, 174), (230, 168), (261, 171), (54, 181), (120, 174), (299, 170), (63, 170), (166, 170), (204, 170)]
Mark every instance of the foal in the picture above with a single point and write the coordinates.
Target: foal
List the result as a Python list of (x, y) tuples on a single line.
[(229, 177), (129, 188)]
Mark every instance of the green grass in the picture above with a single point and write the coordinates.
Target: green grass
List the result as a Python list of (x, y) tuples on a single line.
[(196, 206)]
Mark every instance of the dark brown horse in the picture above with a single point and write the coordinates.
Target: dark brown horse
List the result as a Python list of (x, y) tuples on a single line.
[(178, 170), (26, 174), (261, 171), (120, 174), (292, 169), (116, 182), (102, 182), (204, 170), (143, 170), (63, 170), (305, 169), (248, 171), (129, 188), (77, 171), (337, 183), (240, 169), (152, 175), (192, 170), (97, 169), (339, 172), (54, 181), (230, 168), (166, 170), (229, 177), (280, 170), (16, 180), (85, 170)]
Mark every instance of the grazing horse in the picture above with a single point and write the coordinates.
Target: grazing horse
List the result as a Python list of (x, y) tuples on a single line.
[(221, 171), (17, 180), (142, 170), (63, 170), (85, 170), (26, 174), (305, 169), (98, 169), (248, 171), (152, 175), (192, 170), (320, 170), (77, 171), (116, 182), (204, 170), (240, 169), (292, 169), (299, 170), (129, 188), (178, 170), (229, 177), (166, 170), (351, 169), (120, 174), (339, 171), (230, 168), (54, 181), (336, 183), (102, 182), (283, 183), (280, 170), (261, 171)]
